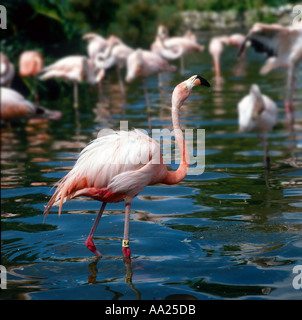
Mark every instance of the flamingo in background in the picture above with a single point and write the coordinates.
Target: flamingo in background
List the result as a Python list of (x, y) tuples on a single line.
[(175, 47), (257, 112), (118, 165), (30, 64), (74, 69), (116, 54), (142, 64), (283, 46), (15, 106), (7, 71), (96, 43), (216, 48), (168, 53)]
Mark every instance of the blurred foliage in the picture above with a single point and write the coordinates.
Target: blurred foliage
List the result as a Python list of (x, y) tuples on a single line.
[(55, 27)]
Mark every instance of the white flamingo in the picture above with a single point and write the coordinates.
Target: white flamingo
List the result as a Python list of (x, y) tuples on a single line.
[(258, 113)]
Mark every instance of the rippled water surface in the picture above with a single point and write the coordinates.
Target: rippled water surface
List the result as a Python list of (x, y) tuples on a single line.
[(233, 232)]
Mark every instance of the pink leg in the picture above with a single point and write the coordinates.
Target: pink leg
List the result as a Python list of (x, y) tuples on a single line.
[(36, 91), (100, 90), (148, 103), (290, 111), (217, 66), (289, 105), (125, 242), (89, 242)]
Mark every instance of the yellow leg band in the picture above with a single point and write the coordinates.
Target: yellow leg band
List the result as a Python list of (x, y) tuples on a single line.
[(125, 243)]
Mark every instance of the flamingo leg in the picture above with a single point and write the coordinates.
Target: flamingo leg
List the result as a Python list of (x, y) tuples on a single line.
[(125, 242), (160, 82), (100, 90), (148, 103), (75, 95), (36, 90), (89, 242), (217, 66), (120, 80), (289, 104), (266, 157), (182, 66)]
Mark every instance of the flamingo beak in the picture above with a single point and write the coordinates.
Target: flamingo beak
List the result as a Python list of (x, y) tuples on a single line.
[(200, 81)]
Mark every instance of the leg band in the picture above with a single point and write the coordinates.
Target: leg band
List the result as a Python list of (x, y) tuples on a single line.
[(125, 243)]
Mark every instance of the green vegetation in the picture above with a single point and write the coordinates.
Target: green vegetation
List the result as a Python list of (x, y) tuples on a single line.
[(56, 26)]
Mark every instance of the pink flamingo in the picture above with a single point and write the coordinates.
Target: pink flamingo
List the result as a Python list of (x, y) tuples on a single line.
[(96, 43), (7, 71), (169, 53), (111, 168), (216, 48), (283, 46), (30, 64), (74, 69), (116, 54), (144, 63), (175, 47), (15, 106), (257, 112)]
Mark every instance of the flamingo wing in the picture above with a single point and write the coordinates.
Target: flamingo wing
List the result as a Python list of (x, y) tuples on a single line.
[(13, 105), (115, 166)]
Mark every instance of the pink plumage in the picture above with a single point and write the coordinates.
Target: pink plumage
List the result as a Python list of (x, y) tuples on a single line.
[(216, 47), (172, 48), (7, 71), (15, 106)]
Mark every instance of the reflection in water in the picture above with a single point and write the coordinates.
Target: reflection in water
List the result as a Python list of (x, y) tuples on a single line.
[(229, 291), (93, 269), (128, 277)]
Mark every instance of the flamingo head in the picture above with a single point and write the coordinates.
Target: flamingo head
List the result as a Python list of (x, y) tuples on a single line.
[(162, 32), (196, 81), (184, 89)]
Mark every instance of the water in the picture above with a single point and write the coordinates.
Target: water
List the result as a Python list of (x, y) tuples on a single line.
[(233, 232)]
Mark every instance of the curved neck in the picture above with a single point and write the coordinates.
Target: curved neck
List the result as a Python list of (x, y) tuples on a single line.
[(108, 51), (178, 175), (169, 52)]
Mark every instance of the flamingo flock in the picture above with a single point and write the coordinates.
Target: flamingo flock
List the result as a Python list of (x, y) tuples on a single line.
[(104, 170), (283, 47)]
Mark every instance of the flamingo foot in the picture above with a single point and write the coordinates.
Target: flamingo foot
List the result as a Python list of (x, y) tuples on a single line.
[(126, 252), (90, 245)]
